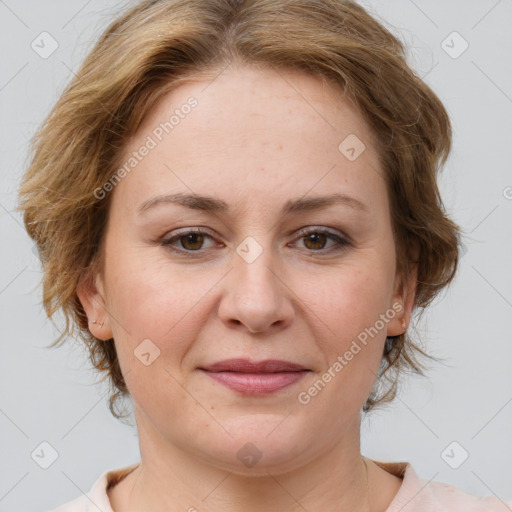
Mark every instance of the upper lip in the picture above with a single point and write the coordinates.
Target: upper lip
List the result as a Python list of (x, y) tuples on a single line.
[(247, 366)]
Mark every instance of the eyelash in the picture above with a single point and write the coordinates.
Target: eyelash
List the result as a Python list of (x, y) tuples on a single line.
[(342, 242)]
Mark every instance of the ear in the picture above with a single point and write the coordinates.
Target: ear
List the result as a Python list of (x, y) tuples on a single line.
[(91, 292), (403, 302)]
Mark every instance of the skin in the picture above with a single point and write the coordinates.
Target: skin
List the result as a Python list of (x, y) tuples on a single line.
[(256, 139)]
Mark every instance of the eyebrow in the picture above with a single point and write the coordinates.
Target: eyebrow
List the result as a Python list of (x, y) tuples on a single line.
[(213, 205)]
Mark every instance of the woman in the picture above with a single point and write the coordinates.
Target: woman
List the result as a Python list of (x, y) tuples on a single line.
[(235, 203)]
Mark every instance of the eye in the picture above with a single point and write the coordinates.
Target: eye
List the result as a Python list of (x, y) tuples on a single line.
[(190, 240), (316, 238)]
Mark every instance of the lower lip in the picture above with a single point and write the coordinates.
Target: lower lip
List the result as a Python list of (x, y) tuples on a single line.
[(256, 383)]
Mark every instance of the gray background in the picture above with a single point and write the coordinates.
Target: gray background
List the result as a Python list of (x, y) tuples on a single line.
[(51, 395)]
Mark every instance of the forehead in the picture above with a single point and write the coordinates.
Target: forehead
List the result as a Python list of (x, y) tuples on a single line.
[(252, 132)]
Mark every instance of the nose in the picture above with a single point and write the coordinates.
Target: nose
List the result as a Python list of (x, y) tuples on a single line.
[(256, 296)]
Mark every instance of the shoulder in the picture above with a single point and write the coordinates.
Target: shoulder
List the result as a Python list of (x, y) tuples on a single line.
[(421, 495), (454, 499), (97, 497)]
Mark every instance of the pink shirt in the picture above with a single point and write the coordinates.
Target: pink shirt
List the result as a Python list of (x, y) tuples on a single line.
[(415, 494)]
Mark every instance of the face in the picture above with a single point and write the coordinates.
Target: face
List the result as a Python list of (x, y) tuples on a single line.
[(263, 267)]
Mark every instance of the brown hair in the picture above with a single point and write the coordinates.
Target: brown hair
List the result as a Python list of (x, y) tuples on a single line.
[(159, 44)]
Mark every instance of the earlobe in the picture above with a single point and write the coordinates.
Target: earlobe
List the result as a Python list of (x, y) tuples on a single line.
[(402, 304), (91, 293)]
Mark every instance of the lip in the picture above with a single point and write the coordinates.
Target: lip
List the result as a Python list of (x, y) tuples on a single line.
[(247, 366), (255, 378)]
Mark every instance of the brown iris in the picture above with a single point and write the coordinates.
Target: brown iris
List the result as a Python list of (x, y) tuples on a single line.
[(315, 238), (193, 239)]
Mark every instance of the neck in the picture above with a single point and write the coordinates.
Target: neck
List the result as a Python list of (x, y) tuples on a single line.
[(171, 479)]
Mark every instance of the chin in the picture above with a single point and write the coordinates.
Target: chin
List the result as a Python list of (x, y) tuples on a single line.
[(260, 444)]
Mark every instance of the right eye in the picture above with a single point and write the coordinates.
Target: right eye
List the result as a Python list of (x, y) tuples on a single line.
[(190, 240)]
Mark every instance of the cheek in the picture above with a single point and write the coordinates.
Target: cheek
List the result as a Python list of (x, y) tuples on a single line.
[(351, 336), (354, 297), (150, 299)]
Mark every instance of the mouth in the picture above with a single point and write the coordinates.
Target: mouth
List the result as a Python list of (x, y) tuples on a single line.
[(255, 378)]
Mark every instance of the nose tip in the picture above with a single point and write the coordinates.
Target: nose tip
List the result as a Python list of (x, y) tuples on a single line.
[(255, 298)]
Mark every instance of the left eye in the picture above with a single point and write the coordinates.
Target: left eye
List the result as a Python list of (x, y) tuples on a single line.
[(314, 240), (318, 237)]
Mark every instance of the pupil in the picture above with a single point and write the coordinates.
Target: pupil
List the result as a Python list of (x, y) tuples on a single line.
[(315, 237), (192, 238)]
